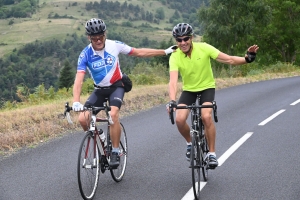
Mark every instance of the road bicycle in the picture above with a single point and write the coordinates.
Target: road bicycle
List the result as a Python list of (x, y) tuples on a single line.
[(94, 153), (199, 149)]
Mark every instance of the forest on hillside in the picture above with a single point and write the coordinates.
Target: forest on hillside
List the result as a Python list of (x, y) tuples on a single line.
[(21, 8), (41, 62)]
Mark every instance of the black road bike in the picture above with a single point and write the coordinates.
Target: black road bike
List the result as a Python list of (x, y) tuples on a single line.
[(199, 149)]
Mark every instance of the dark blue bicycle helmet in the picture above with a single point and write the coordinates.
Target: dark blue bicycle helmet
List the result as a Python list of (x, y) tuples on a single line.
[(95, 26)]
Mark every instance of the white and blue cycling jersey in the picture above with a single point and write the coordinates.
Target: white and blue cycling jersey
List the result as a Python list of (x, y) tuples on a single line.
[(103, 66)]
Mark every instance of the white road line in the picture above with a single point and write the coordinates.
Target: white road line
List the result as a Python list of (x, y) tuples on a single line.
[(294, 103), (190, 194), (202, 184), (233, 148), (271, 117)]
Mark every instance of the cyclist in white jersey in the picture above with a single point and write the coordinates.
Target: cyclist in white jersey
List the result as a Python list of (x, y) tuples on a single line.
[(101, 59)]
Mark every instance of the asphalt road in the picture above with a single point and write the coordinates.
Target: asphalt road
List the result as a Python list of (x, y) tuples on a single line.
[(262, 166)]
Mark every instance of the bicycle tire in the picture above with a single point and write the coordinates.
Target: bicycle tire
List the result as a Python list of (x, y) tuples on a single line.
[(195, 165), (204, 165), (118, 174), (88, 167)]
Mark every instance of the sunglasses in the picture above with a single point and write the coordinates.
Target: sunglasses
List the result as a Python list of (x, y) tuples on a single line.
[(183, 39), (96, 38)]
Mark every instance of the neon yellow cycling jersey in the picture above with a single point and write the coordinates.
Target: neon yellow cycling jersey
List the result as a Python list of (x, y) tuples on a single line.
[(196, 72)]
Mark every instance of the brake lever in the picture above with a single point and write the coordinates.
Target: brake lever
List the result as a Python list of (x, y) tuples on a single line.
[(67, 112), (171, 115), (215, 111)]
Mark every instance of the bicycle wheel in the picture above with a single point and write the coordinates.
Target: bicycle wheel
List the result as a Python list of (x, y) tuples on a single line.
[(118, 174), (195, 165), (88, 167), (203, 153)]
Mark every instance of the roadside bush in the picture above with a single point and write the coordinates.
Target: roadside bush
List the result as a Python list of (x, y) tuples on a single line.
[(281, 67), (147, 74), (87, 86)]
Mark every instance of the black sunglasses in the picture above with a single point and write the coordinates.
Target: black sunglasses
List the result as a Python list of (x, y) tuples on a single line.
[(96, 38), (184, 39)]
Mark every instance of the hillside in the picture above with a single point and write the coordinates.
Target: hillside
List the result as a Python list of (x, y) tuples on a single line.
[(57, 19), (33, 49)]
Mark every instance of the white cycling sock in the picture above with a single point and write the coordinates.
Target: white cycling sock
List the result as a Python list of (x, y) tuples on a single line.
[(188, 143), (212, 153), (115, 150)]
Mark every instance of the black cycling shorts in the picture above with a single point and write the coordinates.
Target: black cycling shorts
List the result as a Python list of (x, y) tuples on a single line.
[(115, 97), (188, 98)]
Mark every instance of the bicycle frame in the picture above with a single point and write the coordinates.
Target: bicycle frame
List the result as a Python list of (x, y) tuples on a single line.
[(94, 130)]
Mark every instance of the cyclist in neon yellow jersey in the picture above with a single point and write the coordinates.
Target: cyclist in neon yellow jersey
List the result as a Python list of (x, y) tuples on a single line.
[(192, 61)]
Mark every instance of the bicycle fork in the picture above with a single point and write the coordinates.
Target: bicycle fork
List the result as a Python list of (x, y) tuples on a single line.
[(95, 153), (87, 149)]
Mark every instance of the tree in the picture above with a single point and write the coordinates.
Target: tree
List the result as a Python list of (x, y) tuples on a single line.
[(164, 60), (281, 36), (160, 14), (124, 6), (229, 25), (66, 77)]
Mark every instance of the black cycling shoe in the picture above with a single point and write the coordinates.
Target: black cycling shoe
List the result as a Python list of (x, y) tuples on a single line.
[(212, 162), (114, 160), (188, 152)]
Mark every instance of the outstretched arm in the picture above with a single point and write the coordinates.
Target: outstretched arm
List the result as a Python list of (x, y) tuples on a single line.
[(236, 60), (146, 52)]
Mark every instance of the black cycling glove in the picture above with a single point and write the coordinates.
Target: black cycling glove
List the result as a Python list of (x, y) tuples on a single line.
[(172, 104), (251, 57)]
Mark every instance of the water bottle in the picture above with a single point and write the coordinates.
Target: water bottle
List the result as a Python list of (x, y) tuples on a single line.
[(102, 137)]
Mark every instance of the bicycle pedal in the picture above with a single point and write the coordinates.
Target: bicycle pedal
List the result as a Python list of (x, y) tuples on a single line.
[(211, 167), (113, 167), (195, 166)]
